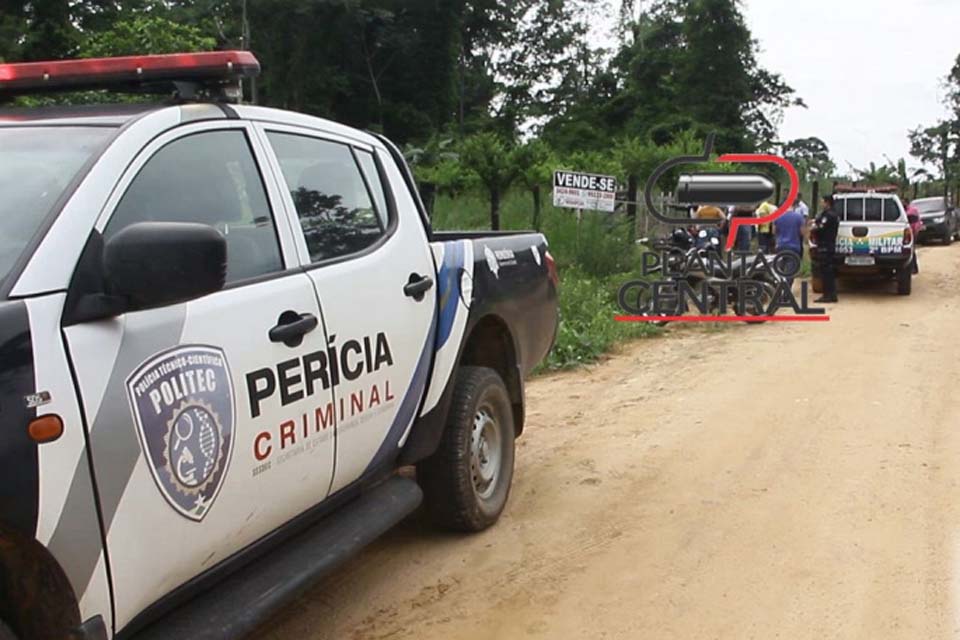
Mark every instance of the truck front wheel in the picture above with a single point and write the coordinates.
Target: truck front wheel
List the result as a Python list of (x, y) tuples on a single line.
[(466, 482)]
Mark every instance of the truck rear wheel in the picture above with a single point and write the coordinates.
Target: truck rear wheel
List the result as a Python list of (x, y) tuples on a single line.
[(905, 281), (466, 482)]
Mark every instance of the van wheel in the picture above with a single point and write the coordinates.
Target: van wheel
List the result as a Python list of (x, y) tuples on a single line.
[(466, 482), (6, 633), (904, 281), (816, 283)]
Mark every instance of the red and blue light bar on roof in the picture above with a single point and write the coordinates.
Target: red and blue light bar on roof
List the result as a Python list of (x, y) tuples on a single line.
[(212, 67)]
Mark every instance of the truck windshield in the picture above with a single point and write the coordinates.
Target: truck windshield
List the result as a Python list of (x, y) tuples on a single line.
[(38, 162)]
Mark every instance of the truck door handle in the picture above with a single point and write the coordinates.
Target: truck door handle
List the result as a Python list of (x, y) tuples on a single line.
[(292, 327), (417, 286)]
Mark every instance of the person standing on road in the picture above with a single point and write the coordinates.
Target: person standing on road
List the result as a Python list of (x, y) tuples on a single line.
[(916, 225), (801, 206), (744, 233), (765, 230), (707, 231), (788, 230), (827, 225)]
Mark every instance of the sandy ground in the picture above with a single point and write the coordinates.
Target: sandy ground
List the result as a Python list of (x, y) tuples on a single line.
[(775, 481)]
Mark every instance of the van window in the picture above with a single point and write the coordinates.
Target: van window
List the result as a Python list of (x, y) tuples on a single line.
[(873, 209), (891, 212), (854, 209)]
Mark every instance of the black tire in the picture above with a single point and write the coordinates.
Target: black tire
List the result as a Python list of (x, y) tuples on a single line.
[(905, 281), (461, 492), (6, 633), (768, 292)]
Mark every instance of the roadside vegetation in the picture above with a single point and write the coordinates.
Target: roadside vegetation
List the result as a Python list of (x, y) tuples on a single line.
[(593, 261)]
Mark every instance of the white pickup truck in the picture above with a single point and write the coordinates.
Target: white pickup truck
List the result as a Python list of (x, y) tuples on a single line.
[(224, 330), (874, 240)]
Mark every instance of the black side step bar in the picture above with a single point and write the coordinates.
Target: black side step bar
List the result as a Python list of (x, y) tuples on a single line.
[(238, 605)]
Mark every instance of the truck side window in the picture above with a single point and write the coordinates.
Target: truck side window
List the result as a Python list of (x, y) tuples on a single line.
[(335, 208), (210, 178), (372, 174)]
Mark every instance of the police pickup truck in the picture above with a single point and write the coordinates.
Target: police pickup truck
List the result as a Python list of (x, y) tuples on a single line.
[(874, 239), (224, 330)]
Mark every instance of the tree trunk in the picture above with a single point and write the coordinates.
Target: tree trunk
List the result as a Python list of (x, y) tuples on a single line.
[(632, 188), (537, 207), (495, 210)]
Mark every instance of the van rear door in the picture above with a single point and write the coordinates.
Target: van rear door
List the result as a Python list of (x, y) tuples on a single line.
[(871, 226)]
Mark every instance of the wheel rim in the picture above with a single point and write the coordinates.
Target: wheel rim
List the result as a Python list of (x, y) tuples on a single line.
[(486, 453)]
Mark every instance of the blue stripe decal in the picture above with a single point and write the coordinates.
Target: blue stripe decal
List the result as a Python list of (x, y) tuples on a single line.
[(408, 406), (449, 289)]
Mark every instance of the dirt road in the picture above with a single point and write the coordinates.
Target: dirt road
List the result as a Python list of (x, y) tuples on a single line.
[(775, 481)]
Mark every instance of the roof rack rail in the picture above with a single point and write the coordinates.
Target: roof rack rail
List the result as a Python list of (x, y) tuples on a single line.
[(211, 75), (865, 188)]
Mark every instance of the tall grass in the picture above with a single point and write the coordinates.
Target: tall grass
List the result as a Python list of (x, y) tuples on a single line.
[(594, 257)]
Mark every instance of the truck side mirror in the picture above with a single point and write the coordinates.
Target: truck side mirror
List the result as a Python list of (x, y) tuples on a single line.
[(153, 264)]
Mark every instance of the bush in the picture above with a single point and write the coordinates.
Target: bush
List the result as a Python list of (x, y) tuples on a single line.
[(587, 326)]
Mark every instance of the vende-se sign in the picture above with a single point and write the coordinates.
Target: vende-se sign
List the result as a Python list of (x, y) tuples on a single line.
[(572, 190)]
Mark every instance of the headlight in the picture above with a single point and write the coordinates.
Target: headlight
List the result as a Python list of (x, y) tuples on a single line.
[(938, 220)]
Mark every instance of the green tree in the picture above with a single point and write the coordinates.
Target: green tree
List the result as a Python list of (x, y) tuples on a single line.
[(436, 166), (145, 34), (810, 157), (491, 160), (50, 33), (534, 163), (877, 175)]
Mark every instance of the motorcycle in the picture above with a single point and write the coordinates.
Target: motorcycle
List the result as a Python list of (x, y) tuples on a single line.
[(711, 277)]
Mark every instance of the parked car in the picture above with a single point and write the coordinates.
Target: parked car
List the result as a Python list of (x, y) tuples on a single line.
[(224, 329), (939, 220), (874, 239)]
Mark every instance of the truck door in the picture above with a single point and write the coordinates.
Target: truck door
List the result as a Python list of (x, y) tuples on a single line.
[(203, 429), (367, 254)]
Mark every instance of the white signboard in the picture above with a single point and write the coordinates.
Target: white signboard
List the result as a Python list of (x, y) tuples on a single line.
[(572, 190)]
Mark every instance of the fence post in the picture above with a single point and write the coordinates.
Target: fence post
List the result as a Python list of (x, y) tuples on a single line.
[(815, 201)]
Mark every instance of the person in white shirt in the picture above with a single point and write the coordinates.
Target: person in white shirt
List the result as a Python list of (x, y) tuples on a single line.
[(800, 206)]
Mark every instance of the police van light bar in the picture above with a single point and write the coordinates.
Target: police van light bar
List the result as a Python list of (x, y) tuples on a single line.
[(216, 67)]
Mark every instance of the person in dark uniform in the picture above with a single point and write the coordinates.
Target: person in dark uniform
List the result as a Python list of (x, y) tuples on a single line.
[(827, 224)]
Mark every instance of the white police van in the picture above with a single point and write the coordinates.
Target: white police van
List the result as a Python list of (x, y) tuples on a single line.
[(223, 330), (874, 239)]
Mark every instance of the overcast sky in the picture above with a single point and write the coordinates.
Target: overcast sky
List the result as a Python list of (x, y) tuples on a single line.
[(869, 70)]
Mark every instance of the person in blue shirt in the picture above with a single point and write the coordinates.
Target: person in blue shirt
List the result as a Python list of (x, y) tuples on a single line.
[(788, 230)]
